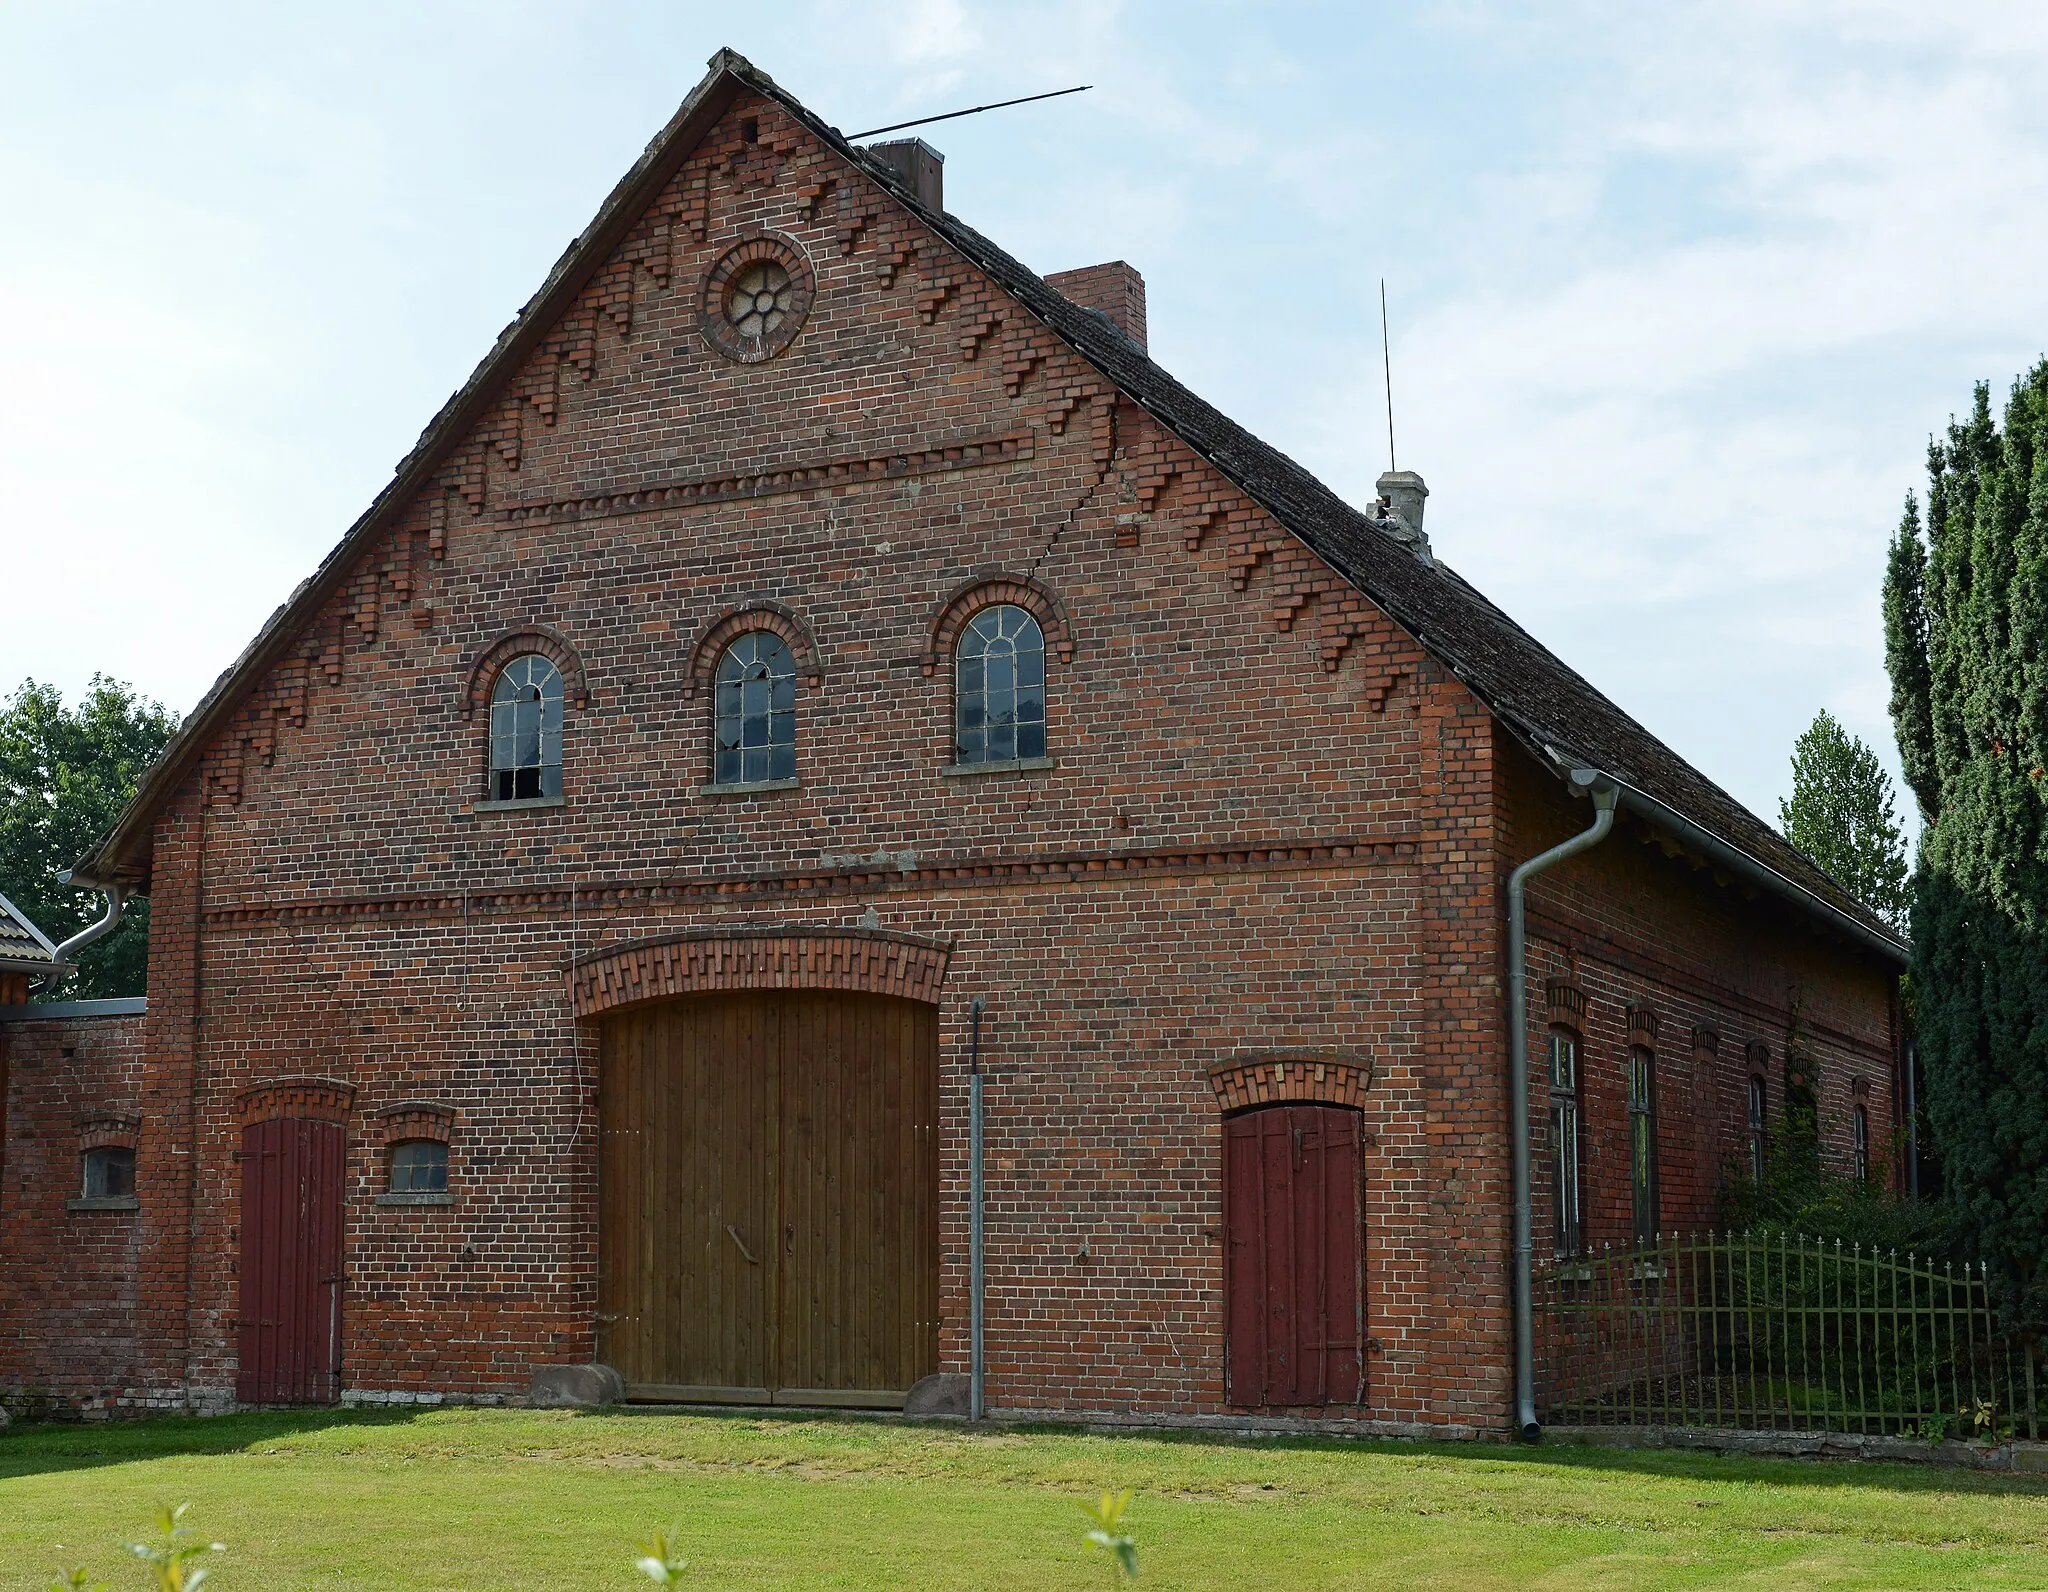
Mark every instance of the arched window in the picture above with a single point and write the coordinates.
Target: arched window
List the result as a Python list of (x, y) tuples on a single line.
[(1758, 1145), (1564, 1141), (1642, 1144), (1861, 1126), (755, 738), (526, 730), (999, 689)]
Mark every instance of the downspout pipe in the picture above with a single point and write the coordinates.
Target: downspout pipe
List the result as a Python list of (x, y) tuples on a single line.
[(1604, 792), (977, 1405), (61, 966)]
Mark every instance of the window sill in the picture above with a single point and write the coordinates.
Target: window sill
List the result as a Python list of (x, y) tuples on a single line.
[(415, 1199), (1015, 765), (752, 787), (519, 803), (109, 1202)]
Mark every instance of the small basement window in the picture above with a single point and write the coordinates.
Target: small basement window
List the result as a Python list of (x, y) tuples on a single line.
[(419, 1166), (109, 1173)]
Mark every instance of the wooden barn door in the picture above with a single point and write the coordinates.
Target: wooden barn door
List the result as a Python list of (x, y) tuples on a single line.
[(860, 1272), (769, 1197), (1293, 1286), (288, 1336)]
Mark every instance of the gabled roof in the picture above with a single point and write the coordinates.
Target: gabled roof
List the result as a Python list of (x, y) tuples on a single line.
[(24, 948), (1554, 712)]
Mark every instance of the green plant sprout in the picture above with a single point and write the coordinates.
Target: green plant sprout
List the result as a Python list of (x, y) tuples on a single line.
[(658, 1561), (167, 1555), (1108, 1517)]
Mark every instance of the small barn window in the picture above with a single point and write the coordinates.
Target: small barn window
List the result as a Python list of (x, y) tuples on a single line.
[(1758, 1141), (109, 1173), (1564, 1142), (1642, 1144), (999, 698), (1860, 1128), (419, 1166), (526, 730), (756, 716)]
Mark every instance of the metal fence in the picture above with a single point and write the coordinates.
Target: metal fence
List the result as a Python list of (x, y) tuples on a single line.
[(1765, 1332)]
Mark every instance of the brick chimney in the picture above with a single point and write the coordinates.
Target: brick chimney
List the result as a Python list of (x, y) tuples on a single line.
[(918, 166), (1114, 291)]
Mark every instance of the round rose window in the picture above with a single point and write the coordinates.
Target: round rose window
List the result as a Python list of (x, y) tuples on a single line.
[(756, 298)]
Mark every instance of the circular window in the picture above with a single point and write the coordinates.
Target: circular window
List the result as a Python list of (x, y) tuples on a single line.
[(756, 298)]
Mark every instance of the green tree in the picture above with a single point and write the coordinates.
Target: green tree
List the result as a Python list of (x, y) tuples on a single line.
[(65, 775), (1841, 815), (1966, 639)]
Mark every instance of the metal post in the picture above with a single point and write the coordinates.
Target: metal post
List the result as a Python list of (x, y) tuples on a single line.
[(977, 1406)]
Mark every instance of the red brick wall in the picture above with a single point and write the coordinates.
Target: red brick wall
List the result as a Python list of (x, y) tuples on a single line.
[(1270, 836), (68, 1278), (1722, 970)]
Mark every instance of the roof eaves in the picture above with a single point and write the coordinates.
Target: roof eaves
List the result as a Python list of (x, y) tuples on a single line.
[(32, 962), (122, 855)]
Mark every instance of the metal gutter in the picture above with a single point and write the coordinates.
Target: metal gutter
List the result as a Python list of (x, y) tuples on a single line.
[(1761, 874), (38, 1011), (1585, 781)]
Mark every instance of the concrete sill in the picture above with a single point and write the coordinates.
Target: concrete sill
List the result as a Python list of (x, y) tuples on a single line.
[(752, 787), (520, 804), (111, 1202), (415, 1199), (1016, 765)]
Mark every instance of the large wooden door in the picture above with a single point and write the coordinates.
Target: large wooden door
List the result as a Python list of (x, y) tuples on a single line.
[(1294, 1225), (769, 1196), (288, 1336)]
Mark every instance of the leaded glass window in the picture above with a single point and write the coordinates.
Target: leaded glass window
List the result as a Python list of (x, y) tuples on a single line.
[(999, 697), (1564, 1142), (756, 731), (1861, 1124), (526, 730), (1642, 1143)]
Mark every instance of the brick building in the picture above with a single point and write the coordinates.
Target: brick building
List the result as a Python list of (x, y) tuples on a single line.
[(569, 913)]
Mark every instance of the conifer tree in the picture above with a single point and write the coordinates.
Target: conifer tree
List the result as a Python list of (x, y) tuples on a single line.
[(1841, 815), (1966, 641)]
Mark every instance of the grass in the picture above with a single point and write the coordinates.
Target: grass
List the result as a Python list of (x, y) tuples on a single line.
[(518, 1499)]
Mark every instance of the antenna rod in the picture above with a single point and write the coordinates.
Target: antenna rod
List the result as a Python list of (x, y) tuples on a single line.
[(897, 127), (1386, 353)]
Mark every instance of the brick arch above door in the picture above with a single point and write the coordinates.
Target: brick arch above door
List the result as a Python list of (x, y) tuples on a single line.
[(701, 962), (320, 1099), (1295, 1077)]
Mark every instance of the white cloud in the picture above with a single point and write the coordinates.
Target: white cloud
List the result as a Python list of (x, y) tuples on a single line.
[(1678, 291)]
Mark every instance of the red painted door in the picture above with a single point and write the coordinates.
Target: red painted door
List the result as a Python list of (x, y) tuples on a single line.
[(289, 1333), (1294, 1256)]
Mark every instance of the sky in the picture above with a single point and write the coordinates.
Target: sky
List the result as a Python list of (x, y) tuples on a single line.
[(1677, 293)]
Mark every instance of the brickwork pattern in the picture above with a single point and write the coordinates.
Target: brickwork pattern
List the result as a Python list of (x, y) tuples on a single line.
[(1274, 833), (863, 961), (1636, 947), (69, 1279), (1334, 1080)]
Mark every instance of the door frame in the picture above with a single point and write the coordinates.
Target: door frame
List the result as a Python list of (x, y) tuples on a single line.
[(765, 957)]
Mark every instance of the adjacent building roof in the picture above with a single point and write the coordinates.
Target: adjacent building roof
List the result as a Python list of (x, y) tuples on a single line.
[(1546, 705), (24, 948)]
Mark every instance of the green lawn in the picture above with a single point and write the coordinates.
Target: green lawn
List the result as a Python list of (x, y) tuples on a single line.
[(516, 1499)]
